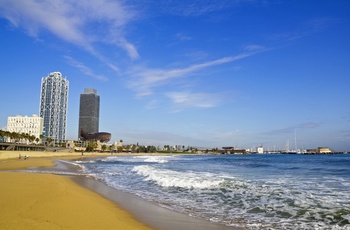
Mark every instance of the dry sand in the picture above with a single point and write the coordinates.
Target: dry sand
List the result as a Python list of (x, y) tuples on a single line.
[(45, 201), (15, 154)]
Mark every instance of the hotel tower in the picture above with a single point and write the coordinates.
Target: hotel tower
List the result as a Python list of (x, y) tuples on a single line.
[(54, 105), (89, 112)]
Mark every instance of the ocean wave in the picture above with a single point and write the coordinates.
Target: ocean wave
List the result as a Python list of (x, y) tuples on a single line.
[(169, 178), (136, 159), (234, 194), (83, 162), (255, 200), (110, 159), (156, 159)]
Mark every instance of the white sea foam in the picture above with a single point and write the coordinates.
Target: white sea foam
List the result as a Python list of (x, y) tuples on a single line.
[(111, 159), (155, 159), (169, 178), (82, 162), (231, 196)]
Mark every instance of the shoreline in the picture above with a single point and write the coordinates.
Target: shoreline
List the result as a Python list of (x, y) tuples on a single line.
[(49, 201), (55, 202), (146, 214)]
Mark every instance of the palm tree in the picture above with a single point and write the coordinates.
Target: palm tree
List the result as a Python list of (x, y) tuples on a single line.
[(49, 140), (32, 138), (24, 137), (2, 135), (91, 146), (111, 147), (14, 136)]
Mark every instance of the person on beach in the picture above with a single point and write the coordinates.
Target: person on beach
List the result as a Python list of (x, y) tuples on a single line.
[(19, 156)]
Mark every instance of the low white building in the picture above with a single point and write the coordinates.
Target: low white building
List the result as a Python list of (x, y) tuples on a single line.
[(32, 125), (260, 149)]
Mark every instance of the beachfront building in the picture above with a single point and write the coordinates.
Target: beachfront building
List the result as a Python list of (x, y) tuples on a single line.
[(89, 112), (54, 105), (323, 150), (32, 126), (260, 149)]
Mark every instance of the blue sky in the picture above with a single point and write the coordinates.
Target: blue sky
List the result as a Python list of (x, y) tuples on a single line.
[(203, 73)]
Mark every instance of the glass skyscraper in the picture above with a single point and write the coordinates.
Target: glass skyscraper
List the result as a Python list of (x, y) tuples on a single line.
[(54, 105), (89, 111)]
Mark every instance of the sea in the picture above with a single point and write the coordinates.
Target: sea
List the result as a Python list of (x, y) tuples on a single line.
[(258, 191)]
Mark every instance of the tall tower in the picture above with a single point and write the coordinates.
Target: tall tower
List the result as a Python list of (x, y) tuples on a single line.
[(54, 105), (89, 111)]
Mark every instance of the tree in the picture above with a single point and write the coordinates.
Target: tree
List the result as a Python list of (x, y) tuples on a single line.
[(141, 149), (3, 134), (24, 137), (91, 146), (152, 149), (14, 136), (111, 147), (32, 138), (49, 140), (104, 147), (133, 148)]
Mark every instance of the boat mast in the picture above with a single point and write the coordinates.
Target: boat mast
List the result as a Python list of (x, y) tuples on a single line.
[(295, 140)]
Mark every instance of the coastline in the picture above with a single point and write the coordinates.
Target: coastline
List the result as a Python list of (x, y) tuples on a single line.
[(151, 214), (122, 210), (47, 201)]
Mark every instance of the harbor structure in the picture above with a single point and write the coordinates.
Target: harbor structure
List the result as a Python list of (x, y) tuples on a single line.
[(33, 126), (54, 106), (89, 112), (260, 149)]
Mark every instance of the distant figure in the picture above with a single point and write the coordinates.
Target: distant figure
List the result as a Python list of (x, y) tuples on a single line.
[(19, 156), (25, 157), (82, 153)]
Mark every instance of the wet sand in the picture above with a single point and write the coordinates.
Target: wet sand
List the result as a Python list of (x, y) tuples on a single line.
[(151, 214)]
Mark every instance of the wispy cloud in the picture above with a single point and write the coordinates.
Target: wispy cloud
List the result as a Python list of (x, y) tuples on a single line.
[(74, 21), (183, 100), (183, 37), (291, 129), (311, 27), (255, 48), (195, 7), (84, 69), (145, 80)]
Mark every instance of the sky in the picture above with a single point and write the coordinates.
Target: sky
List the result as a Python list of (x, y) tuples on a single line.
[(201, 73)]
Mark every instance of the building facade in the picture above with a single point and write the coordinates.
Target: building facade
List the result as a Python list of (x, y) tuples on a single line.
[(30, 125), (89, 112), (54, 106)]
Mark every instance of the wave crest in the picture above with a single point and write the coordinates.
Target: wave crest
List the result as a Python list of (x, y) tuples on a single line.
[(169, 178)]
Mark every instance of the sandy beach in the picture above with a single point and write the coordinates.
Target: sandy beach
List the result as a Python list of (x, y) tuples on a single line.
[(47, 201)]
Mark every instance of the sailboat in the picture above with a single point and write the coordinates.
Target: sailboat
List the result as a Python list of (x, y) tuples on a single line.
[(296, 150)]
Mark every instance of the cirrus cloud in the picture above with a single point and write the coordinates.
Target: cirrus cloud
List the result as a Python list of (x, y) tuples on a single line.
[(72, 21)]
